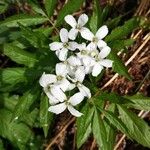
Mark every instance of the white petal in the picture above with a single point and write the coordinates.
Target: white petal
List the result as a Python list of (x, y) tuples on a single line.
[(74, 61), (61, 69), (83, 19), (102, 32), (106, 63), (73, 46), (52, 99), (82, 46), (76, 99), (88, 69), (58, 93), (71, 87), (57, 109), (87, 34), (71, 21), (55, 46), (74, 112), (64, 85), (87, 61), (80, 74), (101, 44), (47, 79), (104, 52), (73, 34), (92, 46), (97, 69), (71, 70), (85, 91), (62, 55), (64, 35)]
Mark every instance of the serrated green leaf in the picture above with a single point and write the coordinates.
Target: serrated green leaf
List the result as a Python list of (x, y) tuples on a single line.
[(104, 14), (70, 7), (20, 56), (18, 134), (9, 77), (113, 23), (138, 102), (3, 7), (118, 65), (25, 20), (45, 116), (25, 103), (123, 31), (137, 128), (119, 45), (99, 131), (36, 39), (111, 131), (112, 97), (50, 6), (36, 8), (7, 101), (45, 31), (96, 16), (31, 118), (114, 120), (84, 124)]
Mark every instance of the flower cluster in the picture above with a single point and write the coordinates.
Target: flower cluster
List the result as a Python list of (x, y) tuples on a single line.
[(77, 60)]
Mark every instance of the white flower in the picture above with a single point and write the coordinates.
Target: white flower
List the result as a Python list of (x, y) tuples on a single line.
[(59, 79), (76, 26), (86, 55), (73, 62), (62, 47), (53, 92), (96, 40), (100, 62), (79, 76), (68, 104)]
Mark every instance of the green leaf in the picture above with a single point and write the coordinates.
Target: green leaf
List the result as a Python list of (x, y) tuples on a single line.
[(137, 128), (123, 31), (70, 7), (118, 65), (19, 56), (50, 6), (25, 20), (113, 23), (84, 124), (45, 116), (138, 102), (111, 132), (119, 45), (25, 103), (36, 39), (95, 18), (3, 7), (104, 15), (30, 118), (18, 134), (114, 120), (1, 145), (99, 130), (9, 77), (36, 8), (7, 101), (112, 97), (45, 31)]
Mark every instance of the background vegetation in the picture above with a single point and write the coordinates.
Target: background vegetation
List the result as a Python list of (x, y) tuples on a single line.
[(116, 117)]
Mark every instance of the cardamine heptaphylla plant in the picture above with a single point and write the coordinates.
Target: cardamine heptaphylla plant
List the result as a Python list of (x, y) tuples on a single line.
[(77, 61)]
